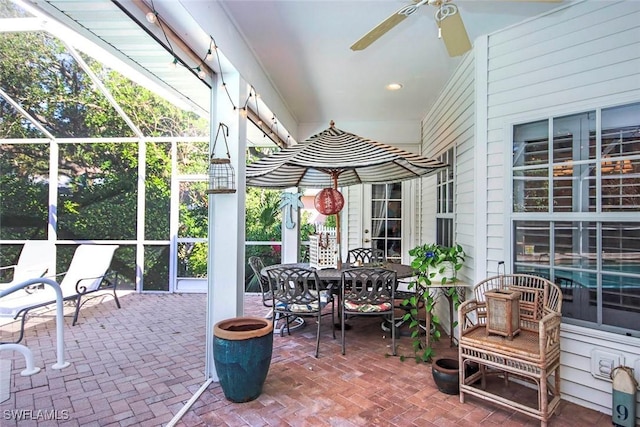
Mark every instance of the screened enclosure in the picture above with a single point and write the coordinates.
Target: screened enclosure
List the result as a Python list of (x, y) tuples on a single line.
[(88, 155)]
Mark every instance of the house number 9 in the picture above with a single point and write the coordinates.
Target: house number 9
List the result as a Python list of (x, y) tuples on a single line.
[(622, 412)]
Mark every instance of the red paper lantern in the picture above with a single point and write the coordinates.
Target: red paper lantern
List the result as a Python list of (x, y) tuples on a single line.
[(329, 201)]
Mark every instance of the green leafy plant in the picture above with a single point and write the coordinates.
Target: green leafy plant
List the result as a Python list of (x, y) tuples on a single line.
[(434, 264)]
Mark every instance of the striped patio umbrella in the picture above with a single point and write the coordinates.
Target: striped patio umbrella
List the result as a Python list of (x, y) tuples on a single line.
[(335, 158)]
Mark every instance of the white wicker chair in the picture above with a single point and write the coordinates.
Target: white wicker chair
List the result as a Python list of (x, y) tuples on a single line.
[(533, 355)]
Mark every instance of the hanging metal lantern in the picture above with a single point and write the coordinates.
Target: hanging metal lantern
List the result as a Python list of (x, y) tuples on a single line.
[(222, 176), (329, 201)]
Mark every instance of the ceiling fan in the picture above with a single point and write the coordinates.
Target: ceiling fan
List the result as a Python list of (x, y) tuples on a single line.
[(450, 26)]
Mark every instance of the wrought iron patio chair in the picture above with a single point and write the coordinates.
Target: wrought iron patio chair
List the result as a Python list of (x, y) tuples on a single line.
[(370, 292), (360, 256), (365, 255), (257, 265), (298, 292)]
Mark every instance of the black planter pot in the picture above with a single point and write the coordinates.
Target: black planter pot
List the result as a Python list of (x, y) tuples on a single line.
[(242, 348), (446, 375)]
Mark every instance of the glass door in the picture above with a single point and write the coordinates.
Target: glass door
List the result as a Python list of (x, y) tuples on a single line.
[(386, 220)]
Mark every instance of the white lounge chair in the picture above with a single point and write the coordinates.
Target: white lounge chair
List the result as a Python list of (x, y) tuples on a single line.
[(86, 274), (35, 259)]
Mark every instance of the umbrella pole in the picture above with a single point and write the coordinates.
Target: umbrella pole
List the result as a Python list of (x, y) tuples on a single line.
[(334, 175)]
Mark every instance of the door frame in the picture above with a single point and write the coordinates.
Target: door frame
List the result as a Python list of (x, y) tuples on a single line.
[(407, 218)]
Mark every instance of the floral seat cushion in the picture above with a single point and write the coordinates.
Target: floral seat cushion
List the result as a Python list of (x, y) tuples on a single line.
[(367, 307)]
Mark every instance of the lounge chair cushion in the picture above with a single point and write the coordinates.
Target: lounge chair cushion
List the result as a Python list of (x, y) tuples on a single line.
[(88, 267), (35, 259)]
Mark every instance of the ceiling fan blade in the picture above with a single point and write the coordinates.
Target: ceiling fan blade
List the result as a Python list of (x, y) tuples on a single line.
[(399, 16), (379, 30), (454, 34)]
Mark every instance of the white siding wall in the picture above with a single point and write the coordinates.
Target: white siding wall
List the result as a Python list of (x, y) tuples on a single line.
[(354, 214), (578, 58), (449, 123), (577, 345), (581, 57)]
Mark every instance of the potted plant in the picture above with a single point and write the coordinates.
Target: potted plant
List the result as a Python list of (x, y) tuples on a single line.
[(433, 263)]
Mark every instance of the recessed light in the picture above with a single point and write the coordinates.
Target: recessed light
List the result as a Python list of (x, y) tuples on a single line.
[(394, 86)]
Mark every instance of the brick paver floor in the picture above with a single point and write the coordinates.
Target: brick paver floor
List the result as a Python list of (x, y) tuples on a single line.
[(139, 365)]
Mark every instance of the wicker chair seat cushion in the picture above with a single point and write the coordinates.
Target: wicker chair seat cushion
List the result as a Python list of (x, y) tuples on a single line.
[(525, 345), (300, 306)]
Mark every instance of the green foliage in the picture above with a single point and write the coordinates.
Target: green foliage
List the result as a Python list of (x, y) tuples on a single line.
[(23, 202), (98, 182), (431, 262), (263, 215), (263, 224), (306, 228), (192, 259), (193, 210), (157, 185), (330, 221)]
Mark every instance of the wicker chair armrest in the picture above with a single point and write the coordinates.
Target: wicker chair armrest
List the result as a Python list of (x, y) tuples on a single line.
[(468, 315), (550, 318), (467, 306), (549, 332)]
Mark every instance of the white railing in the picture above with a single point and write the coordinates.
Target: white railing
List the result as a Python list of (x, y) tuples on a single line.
[(60, 362)]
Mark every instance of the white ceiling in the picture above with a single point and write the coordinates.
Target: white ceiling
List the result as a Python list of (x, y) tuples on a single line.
[(303, 48)]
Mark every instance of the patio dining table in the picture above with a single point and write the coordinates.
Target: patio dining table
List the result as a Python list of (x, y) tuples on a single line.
[(331, 277)]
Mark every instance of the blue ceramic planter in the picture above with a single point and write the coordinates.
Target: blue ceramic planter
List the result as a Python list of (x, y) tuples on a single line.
[(242, 348)]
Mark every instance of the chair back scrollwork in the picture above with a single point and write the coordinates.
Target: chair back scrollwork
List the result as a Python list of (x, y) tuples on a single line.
[(365, 255)]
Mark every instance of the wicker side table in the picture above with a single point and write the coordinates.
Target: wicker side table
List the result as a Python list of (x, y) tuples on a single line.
[(503, 312)]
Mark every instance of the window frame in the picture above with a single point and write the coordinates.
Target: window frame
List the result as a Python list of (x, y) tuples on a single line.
[(594, 217), (445, 206)]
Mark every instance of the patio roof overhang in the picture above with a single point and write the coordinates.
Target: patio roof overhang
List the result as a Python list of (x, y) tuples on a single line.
[(147, 50), (138, 50)]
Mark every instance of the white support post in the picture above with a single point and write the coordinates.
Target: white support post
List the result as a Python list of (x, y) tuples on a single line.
[(227, 215)]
